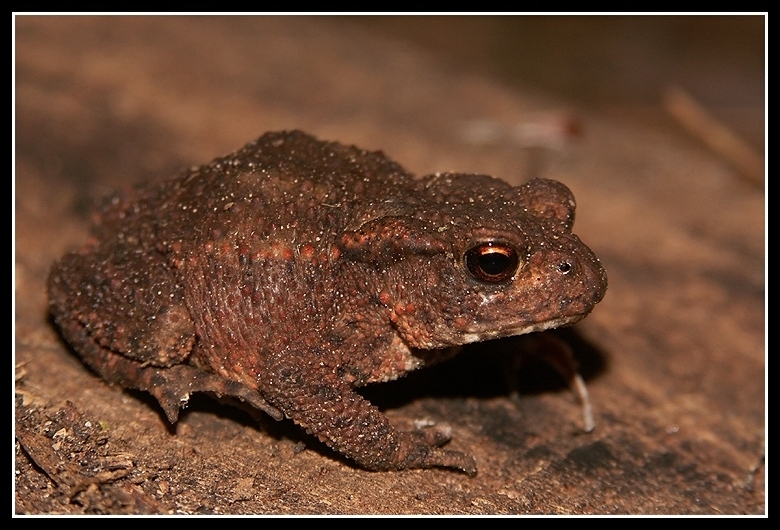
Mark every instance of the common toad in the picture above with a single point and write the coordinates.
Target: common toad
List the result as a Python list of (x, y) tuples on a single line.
[(293, 271)]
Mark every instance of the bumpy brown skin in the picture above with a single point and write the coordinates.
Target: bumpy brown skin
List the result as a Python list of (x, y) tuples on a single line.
[(292, 271)]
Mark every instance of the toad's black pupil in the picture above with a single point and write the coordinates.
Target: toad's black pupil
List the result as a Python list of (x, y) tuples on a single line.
[(492, 262)]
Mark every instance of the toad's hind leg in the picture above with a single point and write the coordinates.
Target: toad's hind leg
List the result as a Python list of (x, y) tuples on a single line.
[(126, 299), (171, 386), (123, 313)]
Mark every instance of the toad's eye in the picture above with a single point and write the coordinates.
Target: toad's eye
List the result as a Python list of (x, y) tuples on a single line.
[(492, 262)]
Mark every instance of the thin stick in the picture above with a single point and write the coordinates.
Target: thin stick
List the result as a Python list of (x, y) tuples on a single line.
[(717, 136)]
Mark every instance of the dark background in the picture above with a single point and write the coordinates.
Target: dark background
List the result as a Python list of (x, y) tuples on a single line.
[(617, 65)]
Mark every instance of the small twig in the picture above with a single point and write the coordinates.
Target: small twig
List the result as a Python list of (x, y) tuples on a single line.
[(717, 136)]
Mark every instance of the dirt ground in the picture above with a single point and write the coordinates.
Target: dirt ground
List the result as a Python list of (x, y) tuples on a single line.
[(674, 356)]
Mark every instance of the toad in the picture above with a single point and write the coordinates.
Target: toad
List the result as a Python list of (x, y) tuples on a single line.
[(293, 271)]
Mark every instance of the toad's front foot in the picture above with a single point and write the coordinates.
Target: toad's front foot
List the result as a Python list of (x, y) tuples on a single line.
[(420, 449)]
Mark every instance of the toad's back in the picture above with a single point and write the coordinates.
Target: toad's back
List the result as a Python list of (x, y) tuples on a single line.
[(285, 186)]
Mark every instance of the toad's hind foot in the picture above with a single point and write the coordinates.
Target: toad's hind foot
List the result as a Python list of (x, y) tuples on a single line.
[(173, 386)]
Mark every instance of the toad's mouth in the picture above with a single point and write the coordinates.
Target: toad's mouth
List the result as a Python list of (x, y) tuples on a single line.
[(479, 334)]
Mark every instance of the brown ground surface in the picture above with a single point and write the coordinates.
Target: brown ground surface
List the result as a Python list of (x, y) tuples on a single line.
[(674, 355)]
